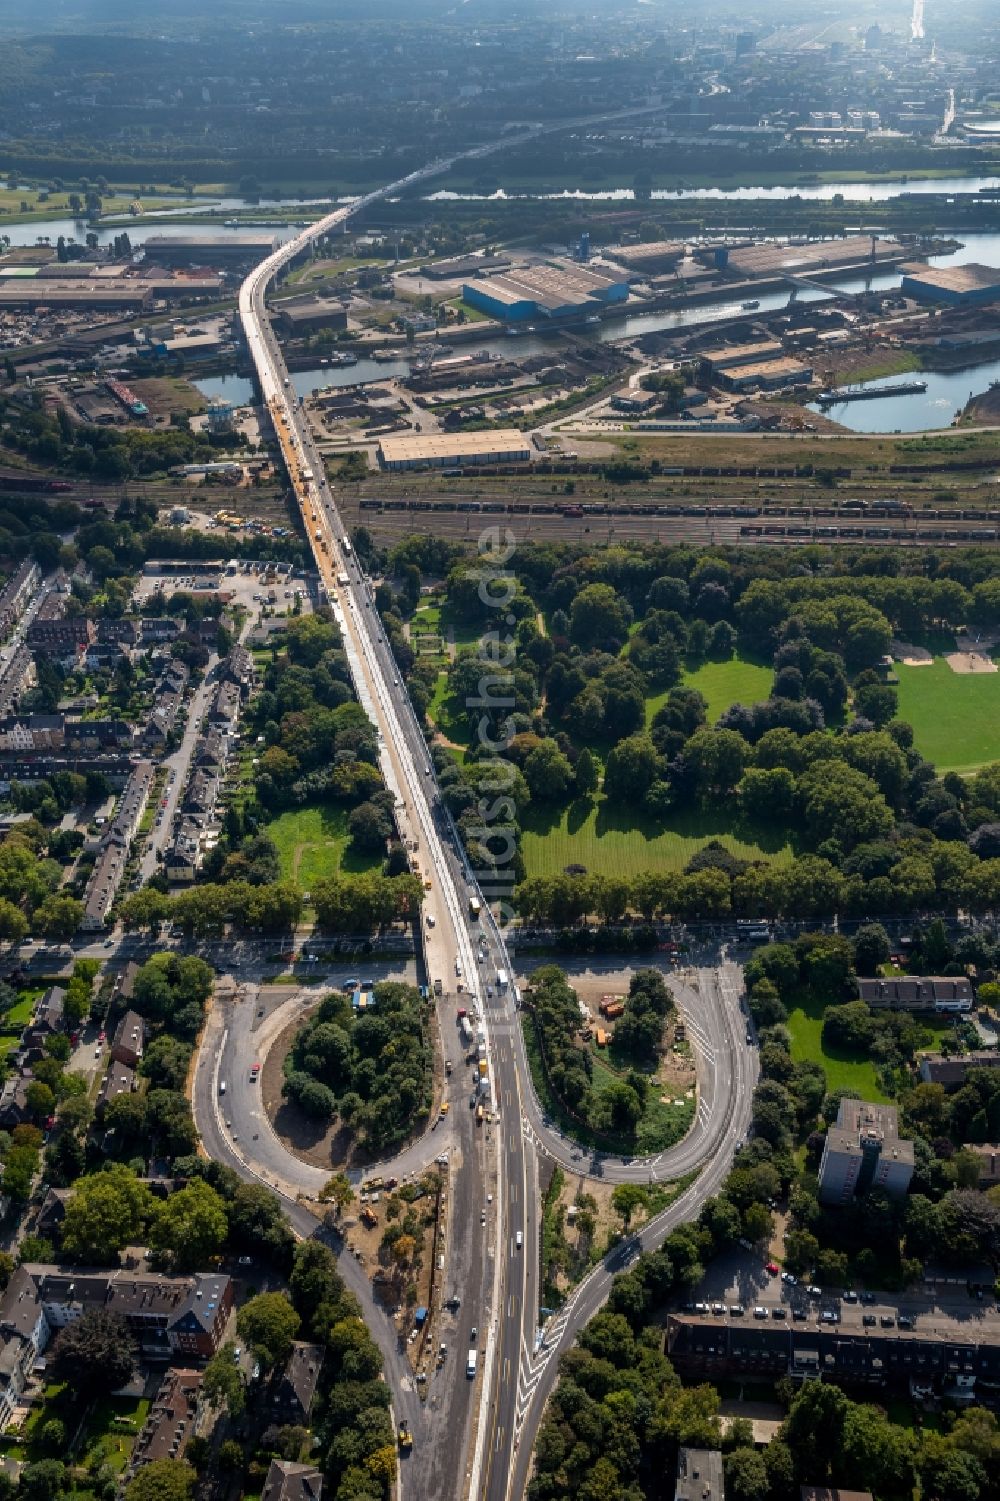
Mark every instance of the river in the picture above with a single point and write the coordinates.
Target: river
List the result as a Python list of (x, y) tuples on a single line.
[(851, 190), (157, 221), (946, 394), (946, 390)]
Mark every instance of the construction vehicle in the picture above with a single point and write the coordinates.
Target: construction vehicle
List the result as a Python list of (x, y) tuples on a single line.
[(369, 1217), (404, 1438)]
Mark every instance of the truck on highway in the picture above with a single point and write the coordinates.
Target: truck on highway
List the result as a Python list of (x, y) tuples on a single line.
[(465, 1027), (307, 475), (347, 547), (475, 906), (472, 1363), (502, 979), (343, 580)]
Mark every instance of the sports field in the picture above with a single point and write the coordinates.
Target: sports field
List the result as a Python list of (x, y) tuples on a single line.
[(723, 684), (955, 716), (608, 841), (314, 842)]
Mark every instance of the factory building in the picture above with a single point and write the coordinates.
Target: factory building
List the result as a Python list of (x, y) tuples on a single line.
[(768, 375), (208, 250), (558, 290), (441, 451), (731, 355), (812, 259), (864, 1150), (960, 286), (651, 258), (308, 315)]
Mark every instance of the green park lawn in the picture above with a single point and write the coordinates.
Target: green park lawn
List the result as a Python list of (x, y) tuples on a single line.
[(19, 1014), (955, 717), (844, 1070), (313, 842), (722, 684), (619, 843)]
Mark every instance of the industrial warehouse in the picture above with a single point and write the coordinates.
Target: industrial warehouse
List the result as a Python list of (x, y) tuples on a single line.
[(503, 446), (962, 286), (560, 289), (809, 259)]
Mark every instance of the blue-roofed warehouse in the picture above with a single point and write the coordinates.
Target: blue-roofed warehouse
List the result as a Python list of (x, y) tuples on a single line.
[(557, 290)]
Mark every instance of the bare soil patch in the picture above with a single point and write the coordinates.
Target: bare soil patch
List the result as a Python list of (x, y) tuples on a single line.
[(910, 655), (964, 662)]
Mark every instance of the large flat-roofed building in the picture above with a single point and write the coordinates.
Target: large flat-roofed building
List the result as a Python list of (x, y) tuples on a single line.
[(560, 290), (461, 266), (809, 259), (651, 257), (864, 1150), (441, 450), (309, 314), (962, 286), (731, 355), (941, 993), (767, 375), (207, 250), (38, 292)]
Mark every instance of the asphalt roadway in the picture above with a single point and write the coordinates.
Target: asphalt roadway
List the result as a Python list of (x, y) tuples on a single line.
[(235, 1129), (501, 1275)]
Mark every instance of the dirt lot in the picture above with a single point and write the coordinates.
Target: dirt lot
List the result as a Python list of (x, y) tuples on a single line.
[(167, 394)]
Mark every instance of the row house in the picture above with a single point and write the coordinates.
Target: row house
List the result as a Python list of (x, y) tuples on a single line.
[(17, 594)]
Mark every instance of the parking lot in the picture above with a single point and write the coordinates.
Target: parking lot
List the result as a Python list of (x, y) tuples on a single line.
[(741, 1286)]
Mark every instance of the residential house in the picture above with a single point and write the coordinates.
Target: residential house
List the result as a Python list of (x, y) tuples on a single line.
[(176, 676), (119, 1080), (14, 678), (935, 1068), (99, 734), (169, 1316), (17, 593), (293, 1391), (239, 669), (946, 1357), (163, 717), (48, 1017), (57, 636), (157, 629), (106, 876), (125, 981), (225, 710), (184, 856), (14, 1108), (104, 656), (699, 1475), (53, 1211), (126, 630), (288, 1481), (170, 1424), (202, 793), (941, 993), (130, 1034), (212, 751)]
